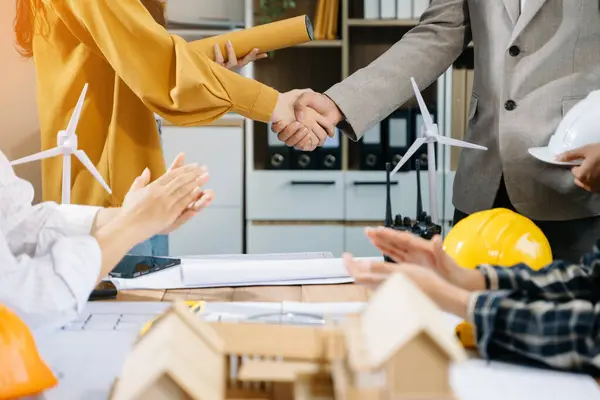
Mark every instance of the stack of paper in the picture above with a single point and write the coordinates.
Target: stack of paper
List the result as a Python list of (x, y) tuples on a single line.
[(204, 273)]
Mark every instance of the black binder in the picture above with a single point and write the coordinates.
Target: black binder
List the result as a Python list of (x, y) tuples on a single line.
[(372, 149), (399, 136), (278, 154), (329, 156)]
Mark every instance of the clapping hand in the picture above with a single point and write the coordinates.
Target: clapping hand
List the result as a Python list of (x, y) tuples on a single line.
[(404, 247), (200, 198), (586, 175)]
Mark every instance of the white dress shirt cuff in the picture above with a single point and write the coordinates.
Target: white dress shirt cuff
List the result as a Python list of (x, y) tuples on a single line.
[(77, 220), (79, 269)]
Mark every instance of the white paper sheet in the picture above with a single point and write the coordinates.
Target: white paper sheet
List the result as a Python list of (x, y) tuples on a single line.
[(272, 256), (171, 279), (212, 272), (476, 380), (224, 271)]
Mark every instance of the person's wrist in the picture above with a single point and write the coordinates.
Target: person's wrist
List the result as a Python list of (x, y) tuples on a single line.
[(452, 299), (103, 217), (124, 228), (470, 279), (336, 116)]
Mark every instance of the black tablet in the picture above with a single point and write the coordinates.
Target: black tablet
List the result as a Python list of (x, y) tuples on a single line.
[(135, 266)]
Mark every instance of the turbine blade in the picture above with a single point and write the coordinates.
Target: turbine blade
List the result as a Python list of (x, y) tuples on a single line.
[(56, 151), (424, 111), (76, 112), (459, 143), (415, 146), (85, 160)]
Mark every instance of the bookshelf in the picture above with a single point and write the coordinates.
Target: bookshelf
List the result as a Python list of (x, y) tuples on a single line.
[(329, 211)]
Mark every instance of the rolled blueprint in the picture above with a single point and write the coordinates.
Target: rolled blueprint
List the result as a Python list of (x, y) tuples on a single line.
[(268, 37)]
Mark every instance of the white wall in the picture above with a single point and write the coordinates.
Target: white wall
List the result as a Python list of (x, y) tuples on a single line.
[(19, 128)]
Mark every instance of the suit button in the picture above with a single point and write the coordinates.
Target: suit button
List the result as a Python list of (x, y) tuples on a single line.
[(510, 105), (514, 51)]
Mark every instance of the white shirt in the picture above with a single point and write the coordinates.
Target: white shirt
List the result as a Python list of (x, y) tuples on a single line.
[(523, 5), (49, 262)]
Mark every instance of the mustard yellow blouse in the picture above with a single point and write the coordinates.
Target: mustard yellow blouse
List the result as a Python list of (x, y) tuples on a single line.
[(134, 68)]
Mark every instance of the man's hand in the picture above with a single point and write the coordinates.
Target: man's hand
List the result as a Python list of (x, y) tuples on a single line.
[(200, 201), (305, 134), (587, 175), (448, 297), (232, 61), (404, 247), (321, 104)]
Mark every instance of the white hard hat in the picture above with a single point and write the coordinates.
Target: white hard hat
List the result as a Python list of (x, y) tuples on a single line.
[(580, 127)]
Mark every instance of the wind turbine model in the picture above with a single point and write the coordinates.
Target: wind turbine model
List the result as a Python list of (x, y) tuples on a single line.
[(67, 145), (430, 134)]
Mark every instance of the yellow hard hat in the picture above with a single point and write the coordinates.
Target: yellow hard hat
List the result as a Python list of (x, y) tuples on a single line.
[(499, 237), (22, 371)]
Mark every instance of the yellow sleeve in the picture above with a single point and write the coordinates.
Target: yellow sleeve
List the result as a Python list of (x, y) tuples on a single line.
[(172, 78)]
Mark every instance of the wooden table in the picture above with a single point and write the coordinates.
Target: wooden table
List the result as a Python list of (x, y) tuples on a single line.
[(304, 293)]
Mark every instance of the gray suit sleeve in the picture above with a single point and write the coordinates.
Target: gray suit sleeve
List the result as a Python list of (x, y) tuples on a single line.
[(425, 53)]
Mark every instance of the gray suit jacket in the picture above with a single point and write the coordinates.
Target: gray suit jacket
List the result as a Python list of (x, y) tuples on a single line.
[(558, 65)]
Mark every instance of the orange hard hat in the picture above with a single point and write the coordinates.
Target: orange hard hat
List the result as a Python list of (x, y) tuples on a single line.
[(22, 371)]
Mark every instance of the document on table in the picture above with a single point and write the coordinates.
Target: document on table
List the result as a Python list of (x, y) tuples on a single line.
[(210, 273), (477, 379)]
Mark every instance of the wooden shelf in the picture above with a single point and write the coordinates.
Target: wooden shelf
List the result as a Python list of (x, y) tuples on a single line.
[(383, 22), (322, 43)]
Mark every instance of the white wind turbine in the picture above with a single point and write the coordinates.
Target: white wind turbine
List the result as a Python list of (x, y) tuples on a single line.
[(430, 134), (67, 145)]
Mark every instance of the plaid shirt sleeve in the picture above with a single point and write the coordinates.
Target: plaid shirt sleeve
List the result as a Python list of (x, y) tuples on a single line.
[(551, 316), (561, 335), (558, 281)]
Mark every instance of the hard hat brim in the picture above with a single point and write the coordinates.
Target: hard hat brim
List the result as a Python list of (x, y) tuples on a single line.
[(544, 154)]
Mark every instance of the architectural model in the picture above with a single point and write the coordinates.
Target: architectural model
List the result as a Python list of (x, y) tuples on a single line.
[(398, 347)]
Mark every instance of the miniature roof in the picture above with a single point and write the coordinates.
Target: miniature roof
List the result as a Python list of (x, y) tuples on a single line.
[(200, 328), (398, 312)]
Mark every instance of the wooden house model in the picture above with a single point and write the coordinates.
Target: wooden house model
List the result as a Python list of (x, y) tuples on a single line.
[(179, 357), (399, 347)]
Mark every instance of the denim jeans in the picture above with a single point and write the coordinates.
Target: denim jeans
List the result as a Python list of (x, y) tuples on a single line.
[(157, 246)]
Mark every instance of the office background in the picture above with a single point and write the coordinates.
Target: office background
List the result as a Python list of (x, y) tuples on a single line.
[(270, 198)]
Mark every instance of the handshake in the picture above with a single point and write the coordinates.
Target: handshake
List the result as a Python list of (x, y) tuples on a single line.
[(303, 119)]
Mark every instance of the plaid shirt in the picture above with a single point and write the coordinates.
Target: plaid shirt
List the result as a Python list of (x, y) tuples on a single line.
[(550, 317)]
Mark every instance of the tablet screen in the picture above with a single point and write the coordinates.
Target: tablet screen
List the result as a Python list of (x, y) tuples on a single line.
[(134, 266)]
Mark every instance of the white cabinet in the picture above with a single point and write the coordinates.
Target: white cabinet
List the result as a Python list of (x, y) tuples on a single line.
[(366, 194), (295, 195), (295, 238), (216, 230), (219, 228), (357, 243)]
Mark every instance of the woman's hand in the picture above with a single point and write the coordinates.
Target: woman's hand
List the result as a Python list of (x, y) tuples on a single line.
[(587, 175), (232, 61), (447, 296), (157, 206), (198, 203), (404, 247)]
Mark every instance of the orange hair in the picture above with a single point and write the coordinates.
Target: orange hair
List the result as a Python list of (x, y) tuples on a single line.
[(26, 19), (31, 14)]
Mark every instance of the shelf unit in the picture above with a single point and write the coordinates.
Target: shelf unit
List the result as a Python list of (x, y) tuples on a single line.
[(330, 210), (331, 214)]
